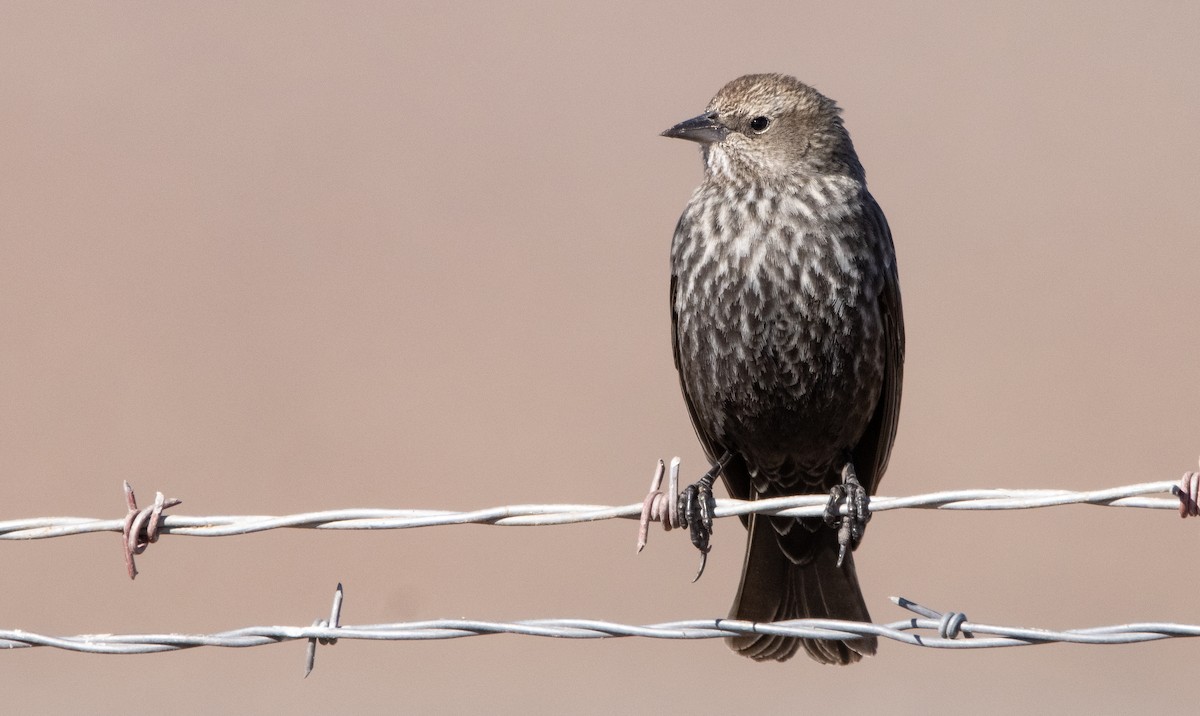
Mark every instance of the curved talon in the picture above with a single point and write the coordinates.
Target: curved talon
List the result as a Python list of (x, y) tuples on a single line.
[(696, 507), (693, 508), (703, 562), (836, 495), (844, 538), (853, 524)]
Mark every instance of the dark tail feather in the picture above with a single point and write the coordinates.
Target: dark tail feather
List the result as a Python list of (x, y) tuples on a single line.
[(774, 588)]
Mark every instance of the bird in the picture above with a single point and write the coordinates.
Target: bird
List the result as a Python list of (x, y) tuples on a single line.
[(788, 337)]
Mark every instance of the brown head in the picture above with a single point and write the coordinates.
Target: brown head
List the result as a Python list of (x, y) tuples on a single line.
[(771, 127)]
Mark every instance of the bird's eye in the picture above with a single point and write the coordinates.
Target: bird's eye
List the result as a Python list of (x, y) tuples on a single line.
[(760, 124)]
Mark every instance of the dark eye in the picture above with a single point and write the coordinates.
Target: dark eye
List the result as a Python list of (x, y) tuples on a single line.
[(760, 124)]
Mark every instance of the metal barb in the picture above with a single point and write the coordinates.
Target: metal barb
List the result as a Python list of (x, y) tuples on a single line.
[(140, 527), (694, 508), (1188, 490), (653, 497), (334, 621), (928, 628), (1161, 495), (950, 624)]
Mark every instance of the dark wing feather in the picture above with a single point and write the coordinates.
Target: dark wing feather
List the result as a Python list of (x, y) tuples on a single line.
[(873, 450), (735, 474)]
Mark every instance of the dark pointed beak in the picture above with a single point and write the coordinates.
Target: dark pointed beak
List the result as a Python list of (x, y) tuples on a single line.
[(704, 129)]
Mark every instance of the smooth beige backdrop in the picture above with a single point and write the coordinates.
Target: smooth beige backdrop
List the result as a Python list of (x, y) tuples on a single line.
[(277, 258)]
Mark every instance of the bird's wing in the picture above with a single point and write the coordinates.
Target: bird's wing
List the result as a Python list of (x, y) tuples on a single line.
[(875, 447), (735, 475)]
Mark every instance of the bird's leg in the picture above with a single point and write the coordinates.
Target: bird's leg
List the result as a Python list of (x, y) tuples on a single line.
[(696, 507), (853, 524)]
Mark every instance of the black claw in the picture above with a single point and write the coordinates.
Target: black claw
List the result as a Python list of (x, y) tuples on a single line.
[(696, 508), (836, 494), (853, 524)]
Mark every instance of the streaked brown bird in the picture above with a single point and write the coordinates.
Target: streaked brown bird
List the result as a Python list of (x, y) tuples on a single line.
[(789, 341)]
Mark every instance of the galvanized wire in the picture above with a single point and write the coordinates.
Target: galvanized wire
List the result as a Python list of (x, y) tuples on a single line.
[(1138, 496), (931, 629)]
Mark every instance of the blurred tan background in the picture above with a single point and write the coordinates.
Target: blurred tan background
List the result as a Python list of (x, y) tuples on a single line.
[(388, 255)]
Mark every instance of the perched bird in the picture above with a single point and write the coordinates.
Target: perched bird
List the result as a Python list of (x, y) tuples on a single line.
[(789, 341)]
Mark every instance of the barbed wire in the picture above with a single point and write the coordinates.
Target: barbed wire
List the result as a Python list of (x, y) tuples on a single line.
[(560, 514), (930, 629), (142, 527)]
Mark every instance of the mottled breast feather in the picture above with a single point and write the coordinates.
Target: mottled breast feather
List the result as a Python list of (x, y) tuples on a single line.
[(787, 323)]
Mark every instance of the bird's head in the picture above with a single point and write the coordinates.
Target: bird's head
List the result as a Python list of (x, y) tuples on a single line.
[(770, 127)]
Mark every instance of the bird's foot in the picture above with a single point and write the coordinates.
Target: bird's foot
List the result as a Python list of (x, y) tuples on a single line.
[(853, 524), (693, 508), (696, 508)]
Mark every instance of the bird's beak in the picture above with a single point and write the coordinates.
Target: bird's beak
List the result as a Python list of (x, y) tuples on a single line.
[(704, 129)]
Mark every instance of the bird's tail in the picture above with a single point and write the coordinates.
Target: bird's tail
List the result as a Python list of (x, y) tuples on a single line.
[(774, 587)]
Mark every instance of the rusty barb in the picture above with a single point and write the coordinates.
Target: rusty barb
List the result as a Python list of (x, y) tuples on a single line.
[(141, 526)]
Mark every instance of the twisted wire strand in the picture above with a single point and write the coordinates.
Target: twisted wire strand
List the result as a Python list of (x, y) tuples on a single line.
[(929, 629), (1136, 496)]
